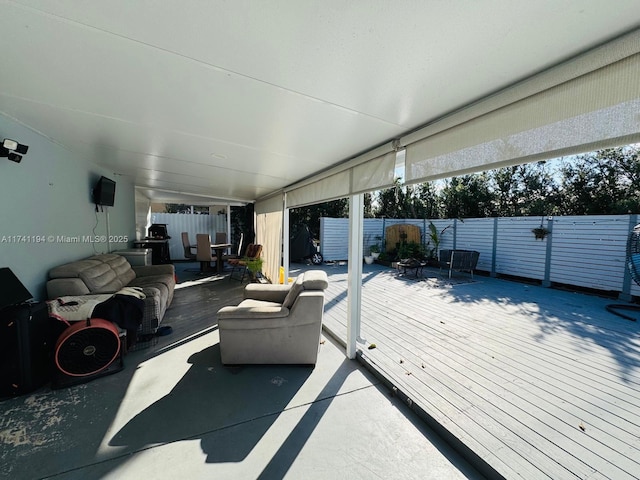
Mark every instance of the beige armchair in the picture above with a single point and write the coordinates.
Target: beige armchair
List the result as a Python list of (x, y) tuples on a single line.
[(275, 324)]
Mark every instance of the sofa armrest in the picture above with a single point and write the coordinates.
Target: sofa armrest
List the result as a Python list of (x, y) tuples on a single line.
[(266, 292), (147, 270), (252, 313), (61, 287)]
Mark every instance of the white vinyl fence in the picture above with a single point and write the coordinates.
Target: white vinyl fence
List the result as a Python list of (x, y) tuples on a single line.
[(583, 251), (190, 223)]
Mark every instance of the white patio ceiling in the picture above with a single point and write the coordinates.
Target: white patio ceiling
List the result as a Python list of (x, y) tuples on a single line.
[(205, 100)]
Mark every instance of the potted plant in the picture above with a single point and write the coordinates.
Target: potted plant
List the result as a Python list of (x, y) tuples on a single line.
[(540, 232), (254, 265), (435, 238), (374, 250), (404, 251)]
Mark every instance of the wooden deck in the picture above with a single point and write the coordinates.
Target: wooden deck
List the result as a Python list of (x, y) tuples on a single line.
[(539, 383)]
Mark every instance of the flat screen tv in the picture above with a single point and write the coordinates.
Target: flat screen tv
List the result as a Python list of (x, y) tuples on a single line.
[(104, 192)]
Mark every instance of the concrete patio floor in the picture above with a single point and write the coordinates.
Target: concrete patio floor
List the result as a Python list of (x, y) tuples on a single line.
[(176, 412)]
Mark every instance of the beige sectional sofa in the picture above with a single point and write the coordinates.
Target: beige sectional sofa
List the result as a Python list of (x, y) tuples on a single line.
[(109, 273)]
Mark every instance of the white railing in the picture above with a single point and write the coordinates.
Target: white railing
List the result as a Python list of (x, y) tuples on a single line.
[(584, 251)]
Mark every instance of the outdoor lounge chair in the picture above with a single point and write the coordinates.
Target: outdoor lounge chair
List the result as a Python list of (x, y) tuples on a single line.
[(275, 324), (253, 251), (459, 260)]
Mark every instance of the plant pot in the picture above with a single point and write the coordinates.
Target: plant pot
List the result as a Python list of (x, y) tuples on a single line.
[(368, 259), (375, 255)]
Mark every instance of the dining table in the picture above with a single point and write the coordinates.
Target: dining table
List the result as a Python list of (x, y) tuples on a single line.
[(218, 249)]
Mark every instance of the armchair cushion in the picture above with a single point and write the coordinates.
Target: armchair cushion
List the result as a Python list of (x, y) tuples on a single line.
[(266, 292)]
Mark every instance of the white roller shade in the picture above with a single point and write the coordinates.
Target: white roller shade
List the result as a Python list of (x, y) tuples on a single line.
[(374, 174), (269, 214), (325, 189), (370, 171), (593, 110)]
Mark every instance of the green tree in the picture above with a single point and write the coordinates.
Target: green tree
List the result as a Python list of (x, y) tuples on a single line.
[(467, 196), (602, 182), (310, 215), (392, 202)]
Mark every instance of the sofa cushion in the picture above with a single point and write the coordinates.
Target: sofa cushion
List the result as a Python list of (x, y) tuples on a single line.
[(73, 269), (251, 303), (165, 280), (101, 279), (157, 288)]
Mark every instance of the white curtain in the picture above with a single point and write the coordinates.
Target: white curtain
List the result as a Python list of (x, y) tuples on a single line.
[(371, 171), (269, 214), (585, 104)]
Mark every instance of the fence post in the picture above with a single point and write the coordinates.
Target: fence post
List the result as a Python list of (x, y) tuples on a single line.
[(424, 234), (494, 249), (625, 294), (547, 260), (455, 232)]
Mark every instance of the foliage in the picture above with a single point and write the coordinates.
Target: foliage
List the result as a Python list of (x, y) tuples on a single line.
[(254, 264), (310, 215), (186, 209), (603, 182), (410, 250), (435, 238)]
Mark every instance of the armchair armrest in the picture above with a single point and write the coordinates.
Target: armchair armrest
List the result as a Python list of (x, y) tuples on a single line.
[(146, 270), (252, 313), (266, 292)]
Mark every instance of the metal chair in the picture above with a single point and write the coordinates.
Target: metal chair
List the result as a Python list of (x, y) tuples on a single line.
[(238, 253), (459, 260), (253, 251)]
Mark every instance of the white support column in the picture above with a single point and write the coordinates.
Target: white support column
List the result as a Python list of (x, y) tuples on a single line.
[(228, 226), (354, 278), (285, 244)]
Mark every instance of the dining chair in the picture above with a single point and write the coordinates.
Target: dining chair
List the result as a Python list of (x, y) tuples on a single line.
[(188, 251), (221, 237), (188, 248), (203, 251), (238, 252)]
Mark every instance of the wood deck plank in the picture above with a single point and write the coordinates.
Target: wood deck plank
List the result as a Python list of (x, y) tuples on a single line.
[(512, 370)]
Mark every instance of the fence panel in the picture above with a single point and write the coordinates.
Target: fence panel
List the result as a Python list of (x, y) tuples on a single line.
[(584, 251), (518, 253), (334, 238), (190, 223), (589, 251), (477, 234)]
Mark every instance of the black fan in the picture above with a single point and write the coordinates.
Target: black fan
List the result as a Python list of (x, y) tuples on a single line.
[(87, 348), (633, 264)]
